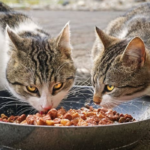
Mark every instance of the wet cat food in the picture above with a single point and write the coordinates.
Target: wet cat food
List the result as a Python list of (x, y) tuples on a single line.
[(81, 117)]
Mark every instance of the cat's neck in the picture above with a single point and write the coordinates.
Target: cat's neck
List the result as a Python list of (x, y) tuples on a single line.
[(29, 28)]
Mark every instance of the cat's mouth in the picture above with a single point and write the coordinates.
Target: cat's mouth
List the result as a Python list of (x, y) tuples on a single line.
[(106, 101), (108, 105), (98, 101), (43, 104), (45, 109)]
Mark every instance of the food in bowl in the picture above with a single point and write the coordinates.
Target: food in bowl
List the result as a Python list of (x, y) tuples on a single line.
[(80, 117)]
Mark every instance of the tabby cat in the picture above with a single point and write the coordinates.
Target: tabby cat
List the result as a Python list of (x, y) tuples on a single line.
[(121, 56), (35, 68)]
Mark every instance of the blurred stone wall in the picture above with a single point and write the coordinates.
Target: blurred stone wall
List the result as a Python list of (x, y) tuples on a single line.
[(74, 4)]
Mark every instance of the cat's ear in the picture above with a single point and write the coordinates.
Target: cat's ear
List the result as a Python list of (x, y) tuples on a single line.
[(106, 40), (63, 40), (19, 42), (134, 54)]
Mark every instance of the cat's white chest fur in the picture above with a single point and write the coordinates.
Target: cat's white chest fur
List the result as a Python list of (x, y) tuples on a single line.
[(4, 58)]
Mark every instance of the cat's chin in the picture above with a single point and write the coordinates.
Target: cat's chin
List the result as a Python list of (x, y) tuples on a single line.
[(111, 102), (108, 102), (108, 105)]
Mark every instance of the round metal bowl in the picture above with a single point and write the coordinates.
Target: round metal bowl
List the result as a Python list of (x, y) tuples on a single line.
[(106, 137)]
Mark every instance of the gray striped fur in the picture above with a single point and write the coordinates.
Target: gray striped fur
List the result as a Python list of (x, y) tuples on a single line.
[(113, 65), (33, 58)]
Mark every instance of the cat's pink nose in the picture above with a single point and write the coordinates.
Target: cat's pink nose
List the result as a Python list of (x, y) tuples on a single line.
[(47, 108)]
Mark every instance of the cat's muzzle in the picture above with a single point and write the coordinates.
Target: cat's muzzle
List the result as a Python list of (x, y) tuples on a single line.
[(97, 99)]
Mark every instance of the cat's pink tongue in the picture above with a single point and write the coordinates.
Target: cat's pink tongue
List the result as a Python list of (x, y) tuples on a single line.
[(41, 112)]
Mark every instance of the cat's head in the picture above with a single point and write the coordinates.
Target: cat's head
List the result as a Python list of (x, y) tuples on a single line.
[(40, 70), (120, 71)]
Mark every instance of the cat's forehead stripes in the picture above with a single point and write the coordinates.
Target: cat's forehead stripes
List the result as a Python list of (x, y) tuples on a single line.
[(46, 58), (108, 57), (42, 56)]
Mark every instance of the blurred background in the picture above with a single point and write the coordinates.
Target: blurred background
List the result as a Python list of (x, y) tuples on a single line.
[(83, 15), (74, 4)]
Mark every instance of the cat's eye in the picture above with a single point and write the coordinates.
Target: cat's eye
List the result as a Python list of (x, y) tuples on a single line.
[(57, 86), (109, 88), (32, 89)]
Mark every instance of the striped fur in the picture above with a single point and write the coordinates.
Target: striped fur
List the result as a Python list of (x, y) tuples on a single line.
[(121, 57), (29, 57)]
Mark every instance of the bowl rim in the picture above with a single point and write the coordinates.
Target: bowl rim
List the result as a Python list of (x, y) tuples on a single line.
[(94, 126), (74, 127)]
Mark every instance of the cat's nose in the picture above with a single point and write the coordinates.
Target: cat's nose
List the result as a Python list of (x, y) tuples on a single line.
[(47, 108), (97, 99)]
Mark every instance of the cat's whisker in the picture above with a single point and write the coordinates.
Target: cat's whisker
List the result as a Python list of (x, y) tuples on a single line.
[(81, 88), (16, 100), (136, 106), (79, 81), (11, 104), (6, 102), (75, 91), (73, 102), (67, 105), (14, 103), (79, 91), (79, 77), (10, 98), (23, 110), (33, 111), (84, 95)]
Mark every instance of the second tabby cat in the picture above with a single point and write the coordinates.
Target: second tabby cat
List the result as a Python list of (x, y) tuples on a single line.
[(121, 56)]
